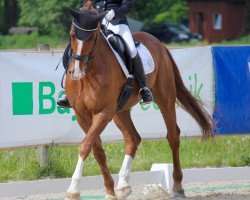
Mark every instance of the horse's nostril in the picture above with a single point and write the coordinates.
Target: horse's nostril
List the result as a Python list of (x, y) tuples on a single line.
[(71, 74)]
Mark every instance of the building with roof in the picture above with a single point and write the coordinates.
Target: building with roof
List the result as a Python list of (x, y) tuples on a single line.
[(217, 20)]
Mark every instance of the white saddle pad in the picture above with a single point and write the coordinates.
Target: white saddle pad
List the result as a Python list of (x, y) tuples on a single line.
[(146, 57)]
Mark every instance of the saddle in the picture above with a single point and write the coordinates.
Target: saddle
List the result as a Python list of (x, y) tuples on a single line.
[(119, 45)]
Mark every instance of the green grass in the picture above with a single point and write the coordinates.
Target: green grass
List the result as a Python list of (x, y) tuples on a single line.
[(245, 40), (22, 164), (30, 41)]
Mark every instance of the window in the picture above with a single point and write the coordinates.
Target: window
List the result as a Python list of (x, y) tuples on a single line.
[(217, 21)]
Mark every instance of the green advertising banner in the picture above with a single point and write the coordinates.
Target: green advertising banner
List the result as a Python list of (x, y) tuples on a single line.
[(30, 87)]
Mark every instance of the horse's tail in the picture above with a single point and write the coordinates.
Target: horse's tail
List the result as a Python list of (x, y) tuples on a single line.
[(190, 103)]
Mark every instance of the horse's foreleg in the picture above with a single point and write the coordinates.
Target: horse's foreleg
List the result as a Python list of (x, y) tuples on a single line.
[(73, 192), (93, 128), (132, 141)]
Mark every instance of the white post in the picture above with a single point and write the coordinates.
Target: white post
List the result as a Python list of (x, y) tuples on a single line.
[(43, 47), (43, 155), (168, 171)]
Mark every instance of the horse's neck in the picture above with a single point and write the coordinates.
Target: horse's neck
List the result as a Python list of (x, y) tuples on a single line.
[(99, 64), (104, 61), (100, 49)]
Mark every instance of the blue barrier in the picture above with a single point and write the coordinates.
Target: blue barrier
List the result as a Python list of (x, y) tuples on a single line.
[(232, 89)]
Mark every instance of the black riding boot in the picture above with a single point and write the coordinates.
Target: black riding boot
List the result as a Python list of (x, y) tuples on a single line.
[(138, 69), (63, 103)]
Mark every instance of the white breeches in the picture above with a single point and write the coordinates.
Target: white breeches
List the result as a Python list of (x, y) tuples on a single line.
[(124, 31)]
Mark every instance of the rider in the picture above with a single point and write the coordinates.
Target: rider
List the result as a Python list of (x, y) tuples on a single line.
[(117, 22)]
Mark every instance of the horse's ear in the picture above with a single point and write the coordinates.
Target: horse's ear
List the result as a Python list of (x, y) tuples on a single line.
[(74, 13), (100, 16)]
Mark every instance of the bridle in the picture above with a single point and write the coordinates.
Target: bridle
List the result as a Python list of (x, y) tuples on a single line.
[(85, 24), (83, 35)]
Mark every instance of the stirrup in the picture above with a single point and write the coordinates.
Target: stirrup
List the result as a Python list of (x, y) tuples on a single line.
[(148, 101)]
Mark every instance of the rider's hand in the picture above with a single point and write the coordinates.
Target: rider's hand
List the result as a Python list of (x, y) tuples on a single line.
[(110, 15)]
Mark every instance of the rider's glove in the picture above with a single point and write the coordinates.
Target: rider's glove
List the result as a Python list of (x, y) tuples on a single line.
[(110, 15)]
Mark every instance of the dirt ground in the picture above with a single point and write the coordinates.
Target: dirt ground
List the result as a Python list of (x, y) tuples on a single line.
[(219, 190)]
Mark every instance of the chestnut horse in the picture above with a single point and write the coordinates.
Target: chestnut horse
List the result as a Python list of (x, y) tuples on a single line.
[(93, 83)]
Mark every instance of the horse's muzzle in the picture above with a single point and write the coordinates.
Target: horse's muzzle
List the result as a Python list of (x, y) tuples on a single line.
[(76, 75)]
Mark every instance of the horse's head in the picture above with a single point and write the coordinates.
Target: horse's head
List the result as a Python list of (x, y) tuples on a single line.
[(84, 32)]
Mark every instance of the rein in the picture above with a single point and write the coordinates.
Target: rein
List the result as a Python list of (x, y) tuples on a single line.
[(84, 58)]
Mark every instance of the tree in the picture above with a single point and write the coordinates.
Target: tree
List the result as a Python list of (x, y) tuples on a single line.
[(246, 28), (50, 16), (160, 10), (1, 16), (147, 10), (8, 15), (176, 13)]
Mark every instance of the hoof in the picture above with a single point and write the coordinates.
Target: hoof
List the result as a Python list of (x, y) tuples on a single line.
[(124, 192), (70, 196), (179, 194), (110, 197)]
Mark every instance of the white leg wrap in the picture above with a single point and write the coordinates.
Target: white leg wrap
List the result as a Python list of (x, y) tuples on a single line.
[(76, 178), (124, 173)]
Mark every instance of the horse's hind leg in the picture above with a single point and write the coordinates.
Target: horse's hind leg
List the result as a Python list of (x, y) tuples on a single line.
[(132, 140), (100, 156), (167, 106)]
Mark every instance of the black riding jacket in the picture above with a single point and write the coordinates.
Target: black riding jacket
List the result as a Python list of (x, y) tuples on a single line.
[(120, 7)]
